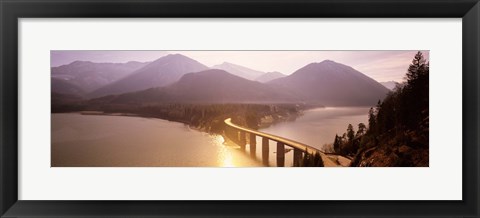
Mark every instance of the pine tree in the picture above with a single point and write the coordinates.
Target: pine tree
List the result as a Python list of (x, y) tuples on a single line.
[(336, 144), (372, 121), (362, 129), (350, 133), (417, 68)]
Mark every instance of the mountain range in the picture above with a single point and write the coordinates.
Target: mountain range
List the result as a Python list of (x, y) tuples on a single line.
[(88, 76), (210, 86), (390, 84), (267, 77), (177, 78), (161, 72), (240, 71), (332, 83)]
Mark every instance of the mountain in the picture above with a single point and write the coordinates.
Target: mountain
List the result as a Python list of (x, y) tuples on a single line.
[(90, 76), (389, 84), (333, 84), (210, 86), (65, 87), (238, 70), (267, 77), (163, 71)]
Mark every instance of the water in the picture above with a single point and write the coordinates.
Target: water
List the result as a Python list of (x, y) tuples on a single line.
[(317, 127), (119, 141)]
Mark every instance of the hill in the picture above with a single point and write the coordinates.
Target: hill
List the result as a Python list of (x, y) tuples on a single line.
[(267, 77), (210, 86), (389, 84), (161, 72), (333, 84), (89, 76), (65, 87), (238, 70)]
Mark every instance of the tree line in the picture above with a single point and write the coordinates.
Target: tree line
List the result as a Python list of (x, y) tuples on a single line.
[(398, 127)]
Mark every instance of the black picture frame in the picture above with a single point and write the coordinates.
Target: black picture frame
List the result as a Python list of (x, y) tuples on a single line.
[(12, 10)]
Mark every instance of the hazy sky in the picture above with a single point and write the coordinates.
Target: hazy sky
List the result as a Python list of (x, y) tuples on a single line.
[(379, 65)]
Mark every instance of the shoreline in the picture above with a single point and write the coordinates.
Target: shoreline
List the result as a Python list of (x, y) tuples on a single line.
[(330, 159)]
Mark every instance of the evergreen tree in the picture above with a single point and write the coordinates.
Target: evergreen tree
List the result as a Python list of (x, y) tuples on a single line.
[(417, 69), (336, 144), (399, 120), (350, 133), (372, 124), (362, 129)]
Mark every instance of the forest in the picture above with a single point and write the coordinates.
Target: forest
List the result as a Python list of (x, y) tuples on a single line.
[(205, 117), (398, 126)]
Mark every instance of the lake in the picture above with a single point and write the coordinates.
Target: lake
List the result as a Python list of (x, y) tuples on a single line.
[(121, 141), (317, 127)]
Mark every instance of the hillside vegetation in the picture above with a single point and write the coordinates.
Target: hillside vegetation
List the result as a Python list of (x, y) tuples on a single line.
[(398, 128)]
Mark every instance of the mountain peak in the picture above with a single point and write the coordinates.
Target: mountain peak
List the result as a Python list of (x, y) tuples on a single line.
[(213, 72), (267, 77), (225, 64), (161, 72), (328, 62), (211, 86), (171, 57), (80, 63), (238, 70), (332, 83), (325, 66), (176, 55)]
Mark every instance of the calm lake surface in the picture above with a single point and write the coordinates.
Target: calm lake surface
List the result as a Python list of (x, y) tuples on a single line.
[(318, 127), (120, 141)]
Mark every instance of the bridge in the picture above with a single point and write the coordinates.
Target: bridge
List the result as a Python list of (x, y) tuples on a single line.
[(238, 134)]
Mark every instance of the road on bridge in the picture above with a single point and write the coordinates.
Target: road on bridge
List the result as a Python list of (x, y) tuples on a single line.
[(329, 160)]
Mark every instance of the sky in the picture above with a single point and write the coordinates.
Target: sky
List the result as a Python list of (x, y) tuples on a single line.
[(379, 65)]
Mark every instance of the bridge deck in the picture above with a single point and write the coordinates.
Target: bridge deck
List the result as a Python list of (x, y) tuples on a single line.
[(287, 142)]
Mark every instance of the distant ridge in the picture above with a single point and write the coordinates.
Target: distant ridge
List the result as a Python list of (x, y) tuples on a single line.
[(333, 84), (89, 76), (238, 70), (267, 77), (65, 87), (177, 78), (389, 84), (210, 86), (163, 71)]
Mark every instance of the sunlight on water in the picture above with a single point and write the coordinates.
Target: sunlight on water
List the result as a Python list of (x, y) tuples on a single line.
[(89, 140), (231, 155), (225, 158)]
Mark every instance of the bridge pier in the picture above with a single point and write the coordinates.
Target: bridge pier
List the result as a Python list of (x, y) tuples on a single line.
[(280, 154), (297, 157), (234, 135), (238, 135), (265, 150), (243, 140), (253, 145)]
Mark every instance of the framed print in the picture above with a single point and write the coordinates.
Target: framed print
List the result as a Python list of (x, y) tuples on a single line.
[(226, 108)]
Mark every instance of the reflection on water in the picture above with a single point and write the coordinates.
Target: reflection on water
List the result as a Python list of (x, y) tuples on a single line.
[(107, 141), (116, 141), (315, 127), (318, 127)]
